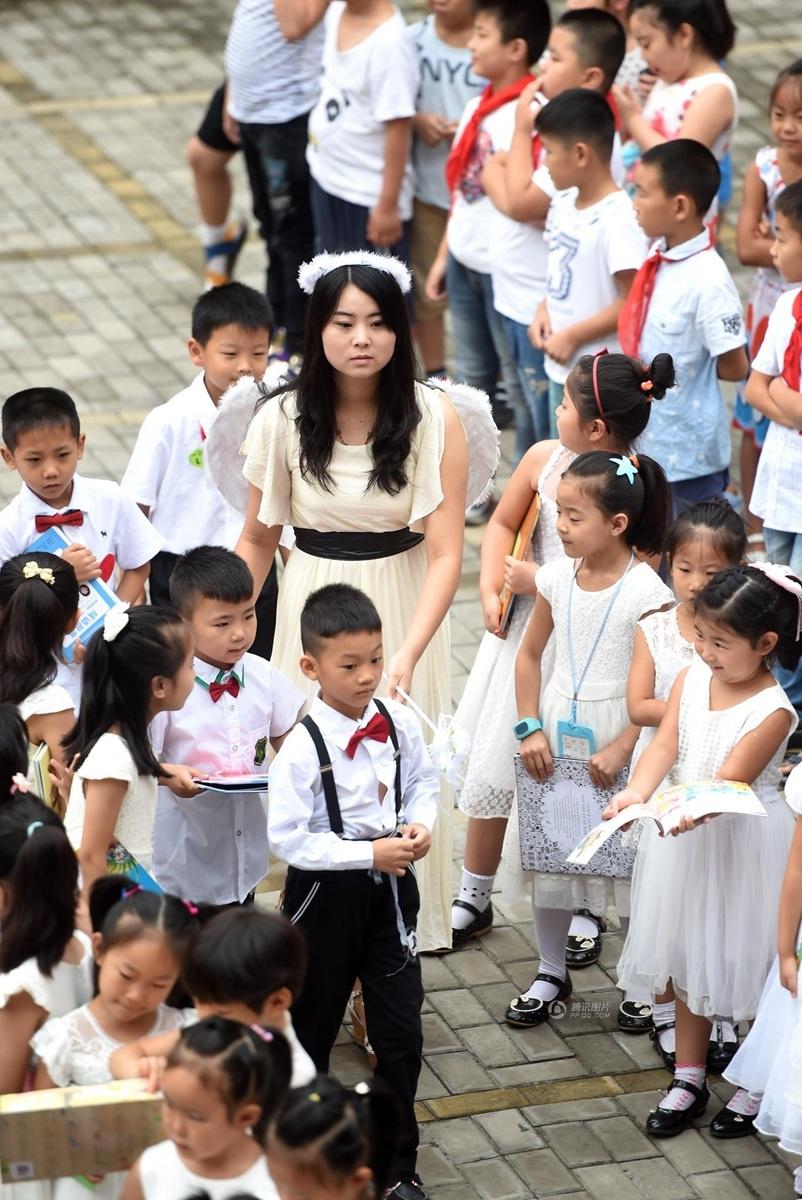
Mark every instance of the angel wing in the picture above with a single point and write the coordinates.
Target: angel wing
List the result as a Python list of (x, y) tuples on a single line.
[(222, 460), (473, 409)]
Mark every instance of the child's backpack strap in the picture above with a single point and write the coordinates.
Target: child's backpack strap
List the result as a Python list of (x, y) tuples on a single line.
[(394, 739), (327, 775)]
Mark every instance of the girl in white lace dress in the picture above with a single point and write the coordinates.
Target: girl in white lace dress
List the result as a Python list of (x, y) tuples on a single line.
[(140, 944), (611, 420), (592, 601), (704, 905), (141, 664)]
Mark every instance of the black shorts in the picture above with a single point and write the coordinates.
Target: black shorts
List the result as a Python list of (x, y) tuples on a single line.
[(211, 127)]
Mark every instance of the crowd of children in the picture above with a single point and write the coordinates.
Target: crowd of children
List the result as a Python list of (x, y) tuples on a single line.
[(563, 215)]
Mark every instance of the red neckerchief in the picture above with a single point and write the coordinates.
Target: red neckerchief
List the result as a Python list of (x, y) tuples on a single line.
[(793, 351), (461, 151), (633, 314)]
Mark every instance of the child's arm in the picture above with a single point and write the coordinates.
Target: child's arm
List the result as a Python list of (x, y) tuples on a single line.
[(605, 764), (132, 583), (791, 913), (643, 709), (563, 345), (103, 800), (733, 365), (384, 220), (132, 1188), (42, 1080), (436, 279), (525, 200), (19, 1020), (431, 128), (51, 728), (787, 400), (657, 759), (709, 113), (137, 1059), (758, 395), (752, 245), (297, 18), (494, 181), (534, 750)]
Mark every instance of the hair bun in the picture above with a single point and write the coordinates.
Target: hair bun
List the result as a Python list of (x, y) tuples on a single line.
[(661, 372)]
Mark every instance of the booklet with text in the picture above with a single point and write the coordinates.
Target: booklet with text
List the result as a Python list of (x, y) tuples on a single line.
[(232, 783)]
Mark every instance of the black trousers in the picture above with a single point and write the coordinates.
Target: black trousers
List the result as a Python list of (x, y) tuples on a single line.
[(162, 567), (350, 924)]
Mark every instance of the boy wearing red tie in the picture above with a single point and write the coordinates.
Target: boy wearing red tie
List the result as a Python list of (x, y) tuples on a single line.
[(353, 798)]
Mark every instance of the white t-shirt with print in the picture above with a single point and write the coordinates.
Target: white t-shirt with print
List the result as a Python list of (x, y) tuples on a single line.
[(586, 248), (362, 88), (473, 215), (775, 497)]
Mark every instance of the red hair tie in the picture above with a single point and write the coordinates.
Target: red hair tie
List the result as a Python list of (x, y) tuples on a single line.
[(132, 891), (596, 394)]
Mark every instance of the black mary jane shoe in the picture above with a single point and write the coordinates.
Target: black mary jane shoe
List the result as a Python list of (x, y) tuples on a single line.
[(669, 1057), (584, 951), (407, 1189), (666, 1122), (527, 1013), (482, 923), (729, 1124), (720, 1053), (634, 1017)]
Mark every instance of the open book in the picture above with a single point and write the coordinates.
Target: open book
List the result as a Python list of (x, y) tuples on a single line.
[(521, 548), (666, 809), (232, 783)]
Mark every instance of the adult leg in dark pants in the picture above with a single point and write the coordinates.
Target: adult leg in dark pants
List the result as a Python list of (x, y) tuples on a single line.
[(351, 927), (281, 150)]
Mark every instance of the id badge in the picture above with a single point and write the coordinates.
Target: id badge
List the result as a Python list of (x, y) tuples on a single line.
[(575, 741)]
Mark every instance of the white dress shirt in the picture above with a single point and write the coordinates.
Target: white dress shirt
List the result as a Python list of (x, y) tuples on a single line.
[(775, 497), (213, 848), (298, 820)]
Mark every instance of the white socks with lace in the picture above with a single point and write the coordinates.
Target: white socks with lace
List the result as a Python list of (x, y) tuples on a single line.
[(678, 1099), (475, 890), (746, 1104)]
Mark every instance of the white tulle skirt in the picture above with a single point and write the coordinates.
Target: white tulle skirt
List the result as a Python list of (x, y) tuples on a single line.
[(767, 1062), (704, 911)]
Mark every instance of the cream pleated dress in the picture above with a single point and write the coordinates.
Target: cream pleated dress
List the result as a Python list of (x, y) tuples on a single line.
[(393, 583)]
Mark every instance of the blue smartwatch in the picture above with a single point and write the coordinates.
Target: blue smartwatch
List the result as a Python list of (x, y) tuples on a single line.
[(524, 727)]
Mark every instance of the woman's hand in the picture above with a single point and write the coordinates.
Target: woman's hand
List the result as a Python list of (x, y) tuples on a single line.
[(621, 800), (519, 576), (789, 972), (399, 674), (536, 756)]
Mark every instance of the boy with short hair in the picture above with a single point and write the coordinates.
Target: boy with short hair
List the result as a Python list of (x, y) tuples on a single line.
[(353, 800), (447, 84), (42, 440), (212, 848), (634, 64), (245, 965), (594, 243), (507, 38), (685, 303), (231, 328)]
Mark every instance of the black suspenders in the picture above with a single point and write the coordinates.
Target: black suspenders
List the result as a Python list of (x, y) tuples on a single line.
[(327, 771)]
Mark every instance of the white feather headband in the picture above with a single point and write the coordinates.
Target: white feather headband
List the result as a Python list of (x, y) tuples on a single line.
[(309, 273)]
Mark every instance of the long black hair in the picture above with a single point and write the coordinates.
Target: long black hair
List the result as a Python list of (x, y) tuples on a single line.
[(332, 1130), (38, 596), (641, 493), (746, 601), (117, 683), (316, 388)]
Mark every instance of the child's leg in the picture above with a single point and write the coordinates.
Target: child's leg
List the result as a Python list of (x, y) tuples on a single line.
[(483, 844), (524, 433), (208, 154), (428, 226), (477, 360), (532, 377), (687, 1097), (551, 929), (555, 400)]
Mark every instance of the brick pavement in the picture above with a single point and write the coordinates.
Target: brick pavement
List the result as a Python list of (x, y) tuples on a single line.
[(99, 265)]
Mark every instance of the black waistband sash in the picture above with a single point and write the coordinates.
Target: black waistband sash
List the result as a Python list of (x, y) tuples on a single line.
[(356, 547)]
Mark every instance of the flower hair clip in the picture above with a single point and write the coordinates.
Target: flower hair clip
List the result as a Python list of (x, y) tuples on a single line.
[(115, 620), (32, 570), (626, 466), (19, 784), (647, 386), (322, 264)]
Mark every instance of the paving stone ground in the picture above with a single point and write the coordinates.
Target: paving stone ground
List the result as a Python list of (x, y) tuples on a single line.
[(99, 265)]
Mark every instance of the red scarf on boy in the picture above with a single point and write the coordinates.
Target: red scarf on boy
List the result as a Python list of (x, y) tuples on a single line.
[(632, 316), (793, 351), (461, 151)]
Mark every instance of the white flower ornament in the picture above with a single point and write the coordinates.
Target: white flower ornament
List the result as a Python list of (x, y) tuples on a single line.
[(115, 620)]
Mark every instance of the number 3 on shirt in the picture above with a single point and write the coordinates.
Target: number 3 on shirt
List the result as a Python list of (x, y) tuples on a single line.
[(564, 250)]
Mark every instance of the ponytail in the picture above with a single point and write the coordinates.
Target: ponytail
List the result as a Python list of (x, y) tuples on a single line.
[(619, 391), (38, 598), (634, 486)]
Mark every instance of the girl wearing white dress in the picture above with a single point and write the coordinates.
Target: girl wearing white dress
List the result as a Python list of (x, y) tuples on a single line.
[(591, 601), (605, 409), (704, 539), (140, 664), (705, 904), (221, 1086), (139, 946)]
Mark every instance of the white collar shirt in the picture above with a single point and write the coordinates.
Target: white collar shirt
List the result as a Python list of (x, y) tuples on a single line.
[(775, 497)]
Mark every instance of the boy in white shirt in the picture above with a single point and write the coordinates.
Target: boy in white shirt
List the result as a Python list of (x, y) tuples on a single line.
[(685, 303), (595, 244), (108, 535), (353, 800), (360, 130), (211, 848), (231, 329)]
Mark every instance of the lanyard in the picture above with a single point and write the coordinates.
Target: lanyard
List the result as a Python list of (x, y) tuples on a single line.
[(576, 685)]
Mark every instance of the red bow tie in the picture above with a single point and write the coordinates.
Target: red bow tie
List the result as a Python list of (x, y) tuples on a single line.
[(376, 728), (73, 516), (216, 690)]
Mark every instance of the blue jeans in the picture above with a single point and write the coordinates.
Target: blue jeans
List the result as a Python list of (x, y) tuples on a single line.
[(531, 375), (786, 548), (480, 345), (686, 492), (555, 399)]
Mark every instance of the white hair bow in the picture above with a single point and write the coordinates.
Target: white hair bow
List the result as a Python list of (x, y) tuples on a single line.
[(115, 620)]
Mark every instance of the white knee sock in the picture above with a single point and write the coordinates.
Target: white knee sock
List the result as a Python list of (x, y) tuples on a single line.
[(665, 1014), (724, 1030), (475, 890), (677, 1099), (551, 930)]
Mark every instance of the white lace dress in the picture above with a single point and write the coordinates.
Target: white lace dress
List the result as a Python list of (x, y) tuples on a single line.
[(704, 904), (487, 709), (671, 653), (110, 758), (76, 1049)]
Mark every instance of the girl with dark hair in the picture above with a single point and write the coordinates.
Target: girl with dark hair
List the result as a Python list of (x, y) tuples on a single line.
[(606, 405), (370, 467), (591, 601), (139, 940), (330, 1141), (38, 607), (45, 963), (139, 665), (704, 905), (221, 1085)]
